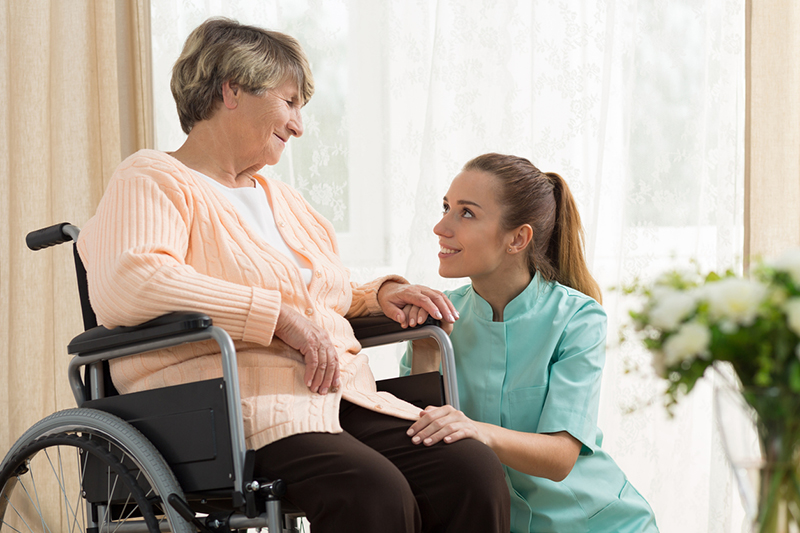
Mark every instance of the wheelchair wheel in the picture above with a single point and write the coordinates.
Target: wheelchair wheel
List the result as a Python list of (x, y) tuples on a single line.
[(86, 470)]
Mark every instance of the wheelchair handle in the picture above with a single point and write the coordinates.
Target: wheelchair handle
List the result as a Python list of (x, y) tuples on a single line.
[(51, 236)]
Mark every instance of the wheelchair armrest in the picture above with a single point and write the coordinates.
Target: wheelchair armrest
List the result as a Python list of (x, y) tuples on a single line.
[(100, 338), (377, 330), (366, 327)]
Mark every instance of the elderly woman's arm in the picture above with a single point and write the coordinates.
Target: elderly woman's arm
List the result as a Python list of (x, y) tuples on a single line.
[(138, 273), (134, 250)]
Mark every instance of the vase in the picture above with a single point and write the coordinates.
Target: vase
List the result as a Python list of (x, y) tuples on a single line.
[(760, 430)]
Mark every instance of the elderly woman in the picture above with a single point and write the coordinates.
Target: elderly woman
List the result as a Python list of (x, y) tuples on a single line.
[(197, 229)]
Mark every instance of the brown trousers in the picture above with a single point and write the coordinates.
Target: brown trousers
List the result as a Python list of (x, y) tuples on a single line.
[(372, 479)]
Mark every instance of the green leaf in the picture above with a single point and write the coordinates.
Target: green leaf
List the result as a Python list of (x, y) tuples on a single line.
[(794, 376)]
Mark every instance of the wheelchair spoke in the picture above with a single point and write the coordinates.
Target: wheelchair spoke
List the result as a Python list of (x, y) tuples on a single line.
[(5, 524), (80, 516), (59, 475), (73, 511), (16, 511), (111, 488), (38, 504), (81, 470)]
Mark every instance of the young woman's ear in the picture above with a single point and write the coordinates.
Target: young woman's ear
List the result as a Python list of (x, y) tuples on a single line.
[(520, 238)]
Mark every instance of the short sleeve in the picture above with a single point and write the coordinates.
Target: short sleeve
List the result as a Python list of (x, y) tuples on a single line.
[(573, 395)]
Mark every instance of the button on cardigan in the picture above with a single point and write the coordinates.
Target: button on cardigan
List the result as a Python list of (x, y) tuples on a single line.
[(163, 240)]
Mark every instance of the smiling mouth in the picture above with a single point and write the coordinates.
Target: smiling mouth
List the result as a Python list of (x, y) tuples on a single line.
[(281, 138), (447, 251)]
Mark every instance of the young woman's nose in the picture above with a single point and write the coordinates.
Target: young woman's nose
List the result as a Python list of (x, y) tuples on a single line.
[(441, 229)]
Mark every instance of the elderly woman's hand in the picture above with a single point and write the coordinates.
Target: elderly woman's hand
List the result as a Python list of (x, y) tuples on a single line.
[(411, 304), (322, 361)]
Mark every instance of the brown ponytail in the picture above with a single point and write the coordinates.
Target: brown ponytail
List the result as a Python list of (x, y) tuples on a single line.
[(544, 201)]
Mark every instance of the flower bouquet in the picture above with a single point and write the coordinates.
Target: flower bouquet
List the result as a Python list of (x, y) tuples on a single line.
[(692, 322)]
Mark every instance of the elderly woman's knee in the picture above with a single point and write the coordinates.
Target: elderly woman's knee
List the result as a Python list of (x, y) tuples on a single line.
[(478, 469)]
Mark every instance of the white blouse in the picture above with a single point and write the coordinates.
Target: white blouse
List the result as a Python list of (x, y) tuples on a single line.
[(252, 205)]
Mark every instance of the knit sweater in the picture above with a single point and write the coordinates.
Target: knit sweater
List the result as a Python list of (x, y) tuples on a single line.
[(163, 240)]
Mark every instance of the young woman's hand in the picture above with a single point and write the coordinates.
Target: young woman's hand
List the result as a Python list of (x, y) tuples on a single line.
[(547, 455), (314, 343), (394, 299), (444, 424)]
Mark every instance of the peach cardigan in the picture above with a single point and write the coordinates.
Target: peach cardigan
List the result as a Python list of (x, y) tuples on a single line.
[(164, 240)]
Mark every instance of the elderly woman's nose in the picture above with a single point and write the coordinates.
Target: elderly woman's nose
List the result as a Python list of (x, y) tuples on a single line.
[(296, 124)]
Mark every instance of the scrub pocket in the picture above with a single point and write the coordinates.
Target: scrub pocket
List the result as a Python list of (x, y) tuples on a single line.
[(629, 513)]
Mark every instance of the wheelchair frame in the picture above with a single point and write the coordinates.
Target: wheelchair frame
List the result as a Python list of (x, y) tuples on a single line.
[(97, 345)]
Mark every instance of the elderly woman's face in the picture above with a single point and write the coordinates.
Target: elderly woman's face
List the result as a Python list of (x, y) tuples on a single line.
[(267, 121)]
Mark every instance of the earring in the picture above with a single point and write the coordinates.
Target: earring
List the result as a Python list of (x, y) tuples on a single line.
[(509, 250)]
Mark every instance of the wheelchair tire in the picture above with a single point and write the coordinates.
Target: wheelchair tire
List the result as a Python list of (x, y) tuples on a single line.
[(83, 463)]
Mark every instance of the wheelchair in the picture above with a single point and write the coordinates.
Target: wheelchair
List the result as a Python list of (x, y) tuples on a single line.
[(170, 459)]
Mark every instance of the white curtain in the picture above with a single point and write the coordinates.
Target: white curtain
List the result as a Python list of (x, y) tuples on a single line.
[(639, 104)]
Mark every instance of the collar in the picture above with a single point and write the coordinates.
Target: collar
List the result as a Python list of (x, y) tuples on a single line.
[(521, 305)]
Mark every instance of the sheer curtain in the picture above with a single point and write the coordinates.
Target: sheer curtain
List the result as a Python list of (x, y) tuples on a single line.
[(639, 104)]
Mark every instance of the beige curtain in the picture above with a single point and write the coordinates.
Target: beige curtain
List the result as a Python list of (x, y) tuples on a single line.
[(772, 144), (75, 99)]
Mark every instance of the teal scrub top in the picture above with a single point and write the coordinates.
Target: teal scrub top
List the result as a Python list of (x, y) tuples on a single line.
[(539, 370)]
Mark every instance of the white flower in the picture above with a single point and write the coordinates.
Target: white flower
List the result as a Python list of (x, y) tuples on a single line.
[(671, 308), (690, 341), (728, 327), (792, 310), (734, 299), (789, 262)]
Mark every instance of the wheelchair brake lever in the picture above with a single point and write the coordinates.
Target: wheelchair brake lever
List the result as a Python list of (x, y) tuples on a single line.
[(186, 512)]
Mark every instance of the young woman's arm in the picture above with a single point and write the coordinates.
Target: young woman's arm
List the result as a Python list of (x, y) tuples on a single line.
[(550, 456)]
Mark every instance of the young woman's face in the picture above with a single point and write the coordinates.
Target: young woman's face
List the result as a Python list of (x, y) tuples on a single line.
[(472, 242)]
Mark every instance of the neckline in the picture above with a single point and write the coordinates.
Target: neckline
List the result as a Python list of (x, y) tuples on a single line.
[(520, 305)]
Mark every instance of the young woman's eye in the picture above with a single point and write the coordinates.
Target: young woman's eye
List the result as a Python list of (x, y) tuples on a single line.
[(467, 214), (445, 209)]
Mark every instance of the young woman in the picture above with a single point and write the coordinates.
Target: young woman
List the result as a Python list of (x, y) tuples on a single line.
[(530, 346)]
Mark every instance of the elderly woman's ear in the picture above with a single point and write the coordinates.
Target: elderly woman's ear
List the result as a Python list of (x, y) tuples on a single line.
[(230, 94)]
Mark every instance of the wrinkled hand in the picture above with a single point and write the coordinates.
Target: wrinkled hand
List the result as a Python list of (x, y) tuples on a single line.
[(411, 304), (443, 423), (314, 343)]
